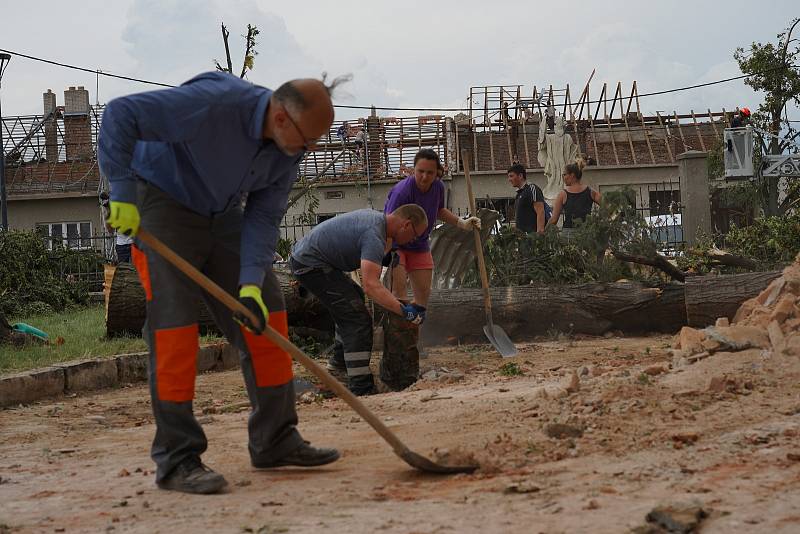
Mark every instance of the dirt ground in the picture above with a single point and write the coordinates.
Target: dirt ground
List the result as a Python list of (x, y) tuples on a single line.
[(591, 437)]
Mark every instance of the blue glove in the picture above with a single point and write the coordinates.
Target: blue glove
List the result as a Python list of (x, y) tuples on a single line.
[(420, 313), (410, 313)]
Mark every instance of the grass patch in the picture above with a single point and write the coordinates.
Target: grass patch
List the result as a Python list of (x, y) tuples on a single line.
[(510, 369), (83, 330)]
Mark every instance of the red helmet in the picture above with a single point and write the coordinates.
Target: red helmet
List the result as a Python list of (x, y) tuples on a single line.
[(745, 112)]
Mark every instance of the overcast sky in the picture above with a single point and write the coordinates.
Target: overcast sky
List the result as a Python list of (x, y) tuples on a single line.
[(401, 53)]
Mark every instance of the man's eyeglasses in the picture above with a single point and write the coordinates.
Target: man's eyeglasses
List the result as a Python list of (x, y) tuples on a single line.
[(308, 144), (414, 230)]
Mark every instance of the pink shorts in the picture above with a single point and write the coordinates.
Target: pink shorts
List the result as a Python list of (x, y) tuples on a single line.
[(413, 260)]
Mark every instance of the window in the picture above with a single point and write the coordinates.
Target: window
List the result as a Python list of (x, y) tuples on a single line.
[(664, 202), (322, 217), (75, 235), (334, 195)]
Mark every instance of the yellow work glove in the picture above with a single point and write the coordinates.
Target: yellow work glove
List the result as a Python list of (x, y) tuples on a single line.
[(123, 217), (250, 296)]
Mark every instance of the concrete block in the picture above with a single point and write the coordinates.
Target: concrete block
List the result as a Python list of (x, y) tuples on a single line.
[(90, 375), (132, 368), (31, 386)]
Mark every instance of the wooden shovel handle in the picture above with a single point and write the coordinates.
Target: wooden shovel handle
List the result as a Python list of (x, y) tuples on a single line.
[(301, 357), (487, 300)]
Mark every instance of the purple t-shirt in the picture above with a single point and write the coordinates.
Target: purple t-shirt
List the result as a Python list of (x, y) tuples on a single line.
[(407, 192)]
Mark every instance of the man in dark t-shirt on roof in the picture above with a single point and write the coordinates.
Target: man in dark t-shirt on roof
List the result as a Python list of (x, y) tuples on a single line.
[(529, 204)]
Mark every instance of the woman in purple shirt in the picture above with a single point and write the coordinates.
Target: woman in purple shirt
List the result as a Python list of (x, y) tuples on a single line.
[(426, 190)]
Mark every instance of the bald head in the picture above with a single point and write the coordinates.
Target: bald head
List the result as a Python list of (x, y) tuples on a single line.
[(301, 114), (310, 102)]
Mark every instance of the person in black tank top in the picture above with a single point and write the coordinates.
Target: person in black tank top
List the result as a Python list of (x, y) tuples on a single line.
[(575, 200), (577, 206)]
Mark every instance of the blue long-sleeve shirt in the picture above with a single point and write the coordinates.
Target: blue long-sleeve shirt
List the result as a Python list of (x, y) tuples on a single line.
[(202, 144)]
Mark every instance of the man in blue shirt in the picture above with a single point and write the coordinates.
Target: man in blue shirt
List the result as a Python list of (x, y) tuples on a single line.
[(183, 162)]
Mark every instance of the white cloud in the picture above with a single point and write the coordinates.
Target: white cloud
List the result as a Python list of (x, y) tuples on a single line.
[(413, 53)]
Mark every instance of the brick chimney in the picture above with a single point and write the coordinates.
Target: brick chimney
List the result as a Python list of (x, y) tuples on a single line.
[(77, 124), (50, 128)]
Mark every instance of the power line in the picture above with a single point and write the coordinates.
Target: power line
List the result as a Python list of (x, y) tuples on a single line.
[(387, 108), (84, 69)]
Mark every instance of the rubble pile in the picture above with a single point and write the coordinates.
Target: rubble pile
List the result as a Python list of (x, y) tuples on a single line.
[(769, 321)]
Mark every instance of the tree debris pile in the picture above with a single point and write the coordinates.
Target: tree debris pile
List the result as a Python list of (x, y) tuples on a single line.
[(769, 321)]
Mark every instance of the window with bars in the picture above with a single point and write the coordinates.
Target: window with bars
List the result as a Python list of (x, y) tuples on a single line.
[(74, 235)]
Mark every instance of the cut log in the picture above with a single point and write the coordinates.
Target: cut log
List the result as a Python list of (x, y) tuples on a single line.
[(125, 305), (523, 312), (528, 311), (126, 310), (710, 297)]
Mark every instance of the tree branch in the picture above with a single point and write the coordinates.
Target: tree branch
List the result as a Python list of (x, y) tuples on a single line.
[(225, 34), (249, 52), (659, 262), (726, 258)]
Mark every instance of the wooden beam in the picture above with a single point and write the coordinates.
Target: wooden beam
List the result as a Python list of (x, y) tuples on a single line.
[(667, 142), (613, 143), (713, 124), (697, 131), (645, 129), (491, 147), (525, 142), (628, 131), (594, 141), (680, 130), (602, 100), (475, 147), (458, 150)]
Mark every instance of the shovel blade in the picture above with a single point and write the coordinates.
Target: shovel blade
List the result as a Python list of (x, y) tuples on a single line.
[(423, 464), (500, 340)]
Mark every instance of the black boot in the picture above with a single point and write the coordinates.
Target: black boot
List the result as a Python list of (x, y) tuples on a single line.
[(191, 476), (304, 456), (362, 385)]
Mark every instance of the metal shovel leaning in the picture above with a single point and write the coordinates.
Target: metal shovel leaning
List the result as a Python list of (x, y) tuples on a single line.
[(410, 457), (496, 335)]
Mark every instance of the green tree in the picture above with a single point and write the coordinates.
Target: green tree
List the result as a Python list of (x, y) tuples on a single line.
[(771, 69)]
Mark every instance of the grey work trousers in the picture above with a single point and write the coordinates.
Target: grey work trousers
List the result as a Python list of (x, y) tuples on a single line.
[(344, 300), (212, 245)]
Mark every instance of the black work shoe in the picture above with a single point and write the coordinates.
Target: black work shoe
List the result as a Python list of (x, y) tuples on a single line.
[(337, 369), (363, 391), (304, 456), (191, 476), (361, 386)]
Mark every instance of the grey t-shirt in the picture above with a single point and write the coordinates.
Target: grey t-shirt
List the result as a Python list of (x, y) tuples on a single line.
[(343, 241)]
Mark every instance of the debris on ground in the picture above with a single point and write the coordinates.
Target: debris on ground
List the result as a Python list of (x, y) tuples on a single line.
[(562, 431), (677, 518), (454, 457), (769, 321)]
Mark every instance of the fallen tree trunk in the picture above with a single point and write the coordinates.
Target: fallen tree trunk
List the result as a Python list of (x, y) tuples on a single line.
[(709, 297), (524, 312), (125, 305), (528, 311)]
